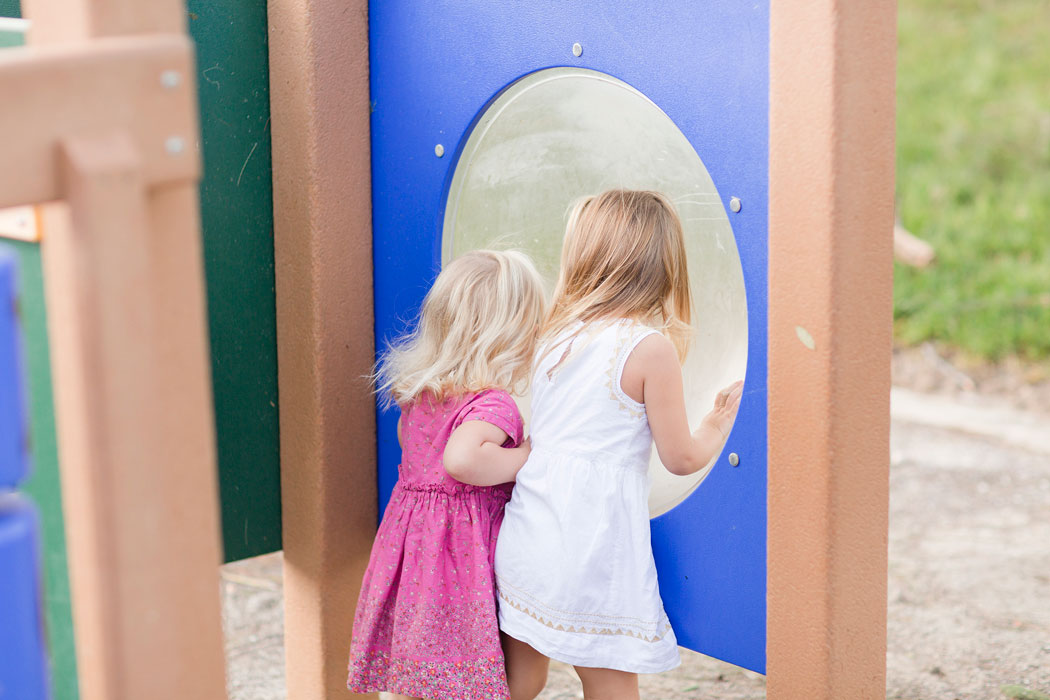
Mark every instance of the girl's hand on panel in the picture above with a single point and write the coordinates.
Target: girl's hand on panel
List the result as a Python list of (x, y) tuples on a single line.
[(727, 403), (682, 451), (475, 455)]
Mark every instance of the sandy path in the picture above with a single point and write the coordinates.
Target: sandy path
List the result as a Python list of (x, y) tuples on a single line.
[(969, 580)]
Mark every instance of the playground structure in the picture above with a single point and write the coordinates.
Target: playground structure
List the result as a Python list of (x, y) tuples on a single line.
[(127, 177)]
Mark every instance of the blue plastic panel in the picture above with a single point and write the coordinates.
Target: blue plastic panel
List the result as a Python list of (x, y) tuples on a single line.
[(436, 65), (23, 658), (13, 458)]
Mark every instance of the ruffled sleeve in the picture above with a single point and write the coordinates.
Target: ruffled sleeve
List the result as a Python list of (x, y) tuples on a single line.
[(498, 408)]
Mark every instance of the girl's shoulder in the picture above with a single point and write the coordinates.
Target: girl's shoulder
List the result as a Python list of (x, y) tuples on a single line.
[(614, 335), (494, 400), (425, 408), (495, 406)]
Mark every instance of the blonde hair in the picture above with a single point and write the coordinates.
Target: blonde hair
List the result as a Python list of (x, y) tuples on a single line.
[(623, 257), (477, 330)]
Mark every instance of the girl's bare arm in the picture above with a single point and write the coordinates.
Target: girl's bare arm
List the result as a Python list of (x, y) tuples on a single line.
[(653, 376), (474, 455)]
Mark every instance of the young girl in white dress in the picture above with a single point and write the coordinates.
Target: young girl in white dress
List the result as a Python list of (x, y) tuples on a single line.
[(574, 565)]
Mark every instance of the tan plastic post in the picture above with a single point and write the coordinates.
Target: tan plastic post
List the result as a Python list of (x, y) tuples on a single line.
[(129, 358), (832, 66), (59, 21), (323, 263), (124, 287)]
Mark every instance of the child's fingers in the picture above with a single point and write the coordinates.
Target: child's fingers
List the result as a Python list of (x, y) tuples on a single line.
[(729, 395), (727, 410)]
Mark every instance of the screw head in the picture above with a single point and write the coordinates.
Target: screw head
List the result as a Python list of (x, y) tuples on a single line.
[(174, 145), (734, 204), (439, 150), (170, 79), (577, 50), (734, 459)]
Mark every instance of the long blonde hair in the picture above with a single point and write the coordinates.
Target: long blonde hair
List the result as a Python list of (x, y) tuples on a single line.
[(477, 330), (623, 257)]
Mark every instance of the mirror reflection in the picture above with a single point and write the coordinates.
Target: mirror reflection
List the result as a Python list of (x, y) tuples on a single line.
[(562, 133)]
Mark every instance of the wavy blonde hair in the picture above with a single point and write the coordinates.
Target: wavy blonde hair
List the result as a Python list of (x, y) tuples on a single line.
[(477, 330), (623, 257)]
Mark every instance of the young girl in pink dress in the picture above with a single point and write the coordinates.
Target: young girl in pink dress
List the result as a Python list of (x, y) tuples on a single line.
[(426, 622)]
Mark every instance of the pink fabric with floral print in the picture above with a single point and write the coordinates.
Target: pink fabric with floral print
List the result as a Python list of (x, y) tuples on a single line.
[(426, 619)]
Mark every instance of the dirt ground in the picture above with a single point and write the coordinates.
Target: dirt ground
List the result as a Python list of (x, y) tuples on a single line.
[(969, 560), (929, 369)]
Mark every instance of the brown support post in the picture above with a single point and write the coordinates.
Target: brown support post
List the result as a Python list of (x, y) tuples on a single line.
[(129, 358), (832, 77), (126, 315), (323, 265)]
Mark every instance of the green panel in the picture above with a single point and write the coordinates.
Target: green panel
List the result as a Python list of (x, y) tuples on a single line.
[(9, 39), (237, 214), (44, 486), (10, 36)]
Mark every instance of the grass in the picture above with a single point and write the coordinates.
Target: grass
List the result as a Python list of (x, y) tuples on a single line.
[(973, 174)]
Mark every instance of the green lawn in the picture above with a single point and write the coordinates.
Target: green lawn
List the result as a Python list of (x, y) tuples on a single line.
[(973, 174)]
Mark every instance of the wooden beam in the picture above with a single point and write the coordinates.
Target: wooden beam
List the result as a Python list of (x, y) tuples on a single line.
[(323, 254), (141, 86), (136, 440), (61, 21), (831, 174)]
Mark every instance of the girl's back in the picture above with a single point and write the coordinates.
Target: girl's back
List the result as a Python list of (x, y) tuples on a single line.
[(426, 427), (430, 570), (580, 509), (426, 624), (578, 404), (574, 564)]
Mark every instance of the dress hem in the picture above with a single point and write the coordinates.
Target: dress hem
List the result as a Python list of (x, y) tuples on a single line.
[(552, 652)]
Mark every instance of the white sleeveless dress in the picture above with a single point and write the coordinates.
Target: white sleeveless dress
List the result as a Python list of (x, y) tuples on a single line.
[(574, 563)]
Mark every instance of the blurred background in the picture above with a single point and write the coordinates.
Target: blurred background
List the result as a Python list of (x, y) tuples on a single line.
[(973, 181)]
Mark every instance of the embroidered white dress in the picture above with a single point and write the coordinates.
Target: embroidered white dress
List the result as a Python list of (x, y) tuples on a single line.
[(574, 563)]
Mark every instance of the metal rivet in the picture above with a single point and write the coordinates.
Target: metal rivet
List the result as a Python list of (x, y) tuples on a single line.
[(174, 145), (170, 79), (734, 459), (439, 150), (734, 204), (577, 50)]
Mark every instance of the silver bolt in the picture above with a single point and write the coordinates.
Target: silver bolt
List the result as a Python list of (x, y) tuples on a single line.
[(170, 79), (174, 145), (734, 459), (577, 50), (734, 204), (439, 150)]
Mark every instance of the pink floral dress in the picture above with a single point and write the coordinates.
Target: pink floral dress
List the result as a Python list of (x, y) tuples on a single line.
[(426, 619)]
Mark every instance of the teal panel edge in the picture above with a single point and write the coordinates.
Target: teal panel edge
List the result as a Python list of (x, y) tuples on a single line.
[(10, 37), (10, 8), (237, 222), (44, 485)]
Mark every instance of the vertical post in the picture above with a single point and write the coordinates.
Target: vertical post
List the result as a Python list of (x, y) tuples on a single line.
[(319, 104), (129, 358), (124, 290), (830, 323)]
